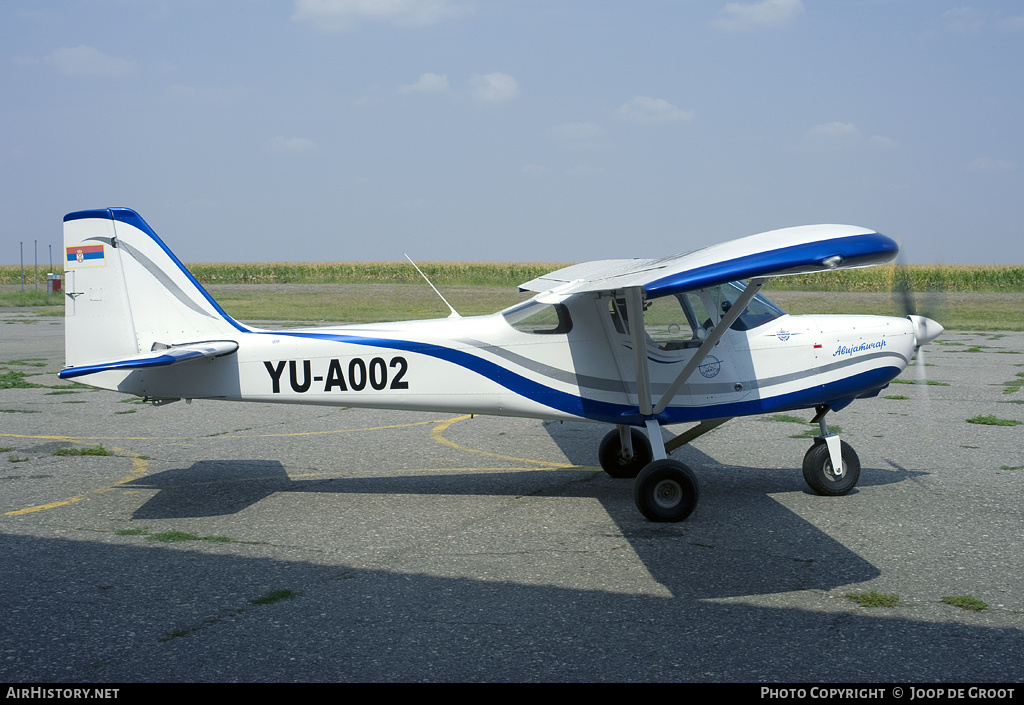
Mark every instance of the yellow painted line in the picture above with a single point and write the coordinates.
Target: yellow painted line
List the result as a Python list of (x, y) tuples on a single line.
[(341, 430), (41, 507), (437, 433), (139, 468), (75, 439)]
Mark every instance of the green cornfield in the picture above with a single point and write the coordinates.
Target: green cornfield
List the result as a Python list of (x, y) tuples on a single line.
[(916, 277), (449, 273), (950, 278)]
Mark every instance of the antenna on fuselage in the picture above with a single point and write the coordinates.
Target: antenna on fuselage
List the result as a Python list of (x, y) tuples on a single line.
[(454, 313)]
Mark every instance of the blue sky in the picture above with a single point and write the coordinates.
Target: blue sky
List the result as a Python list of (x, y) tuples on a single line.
[(515, 130)]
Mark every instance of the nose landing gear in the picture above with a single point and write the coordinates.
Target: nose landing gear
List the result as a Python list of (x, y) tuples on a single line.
[(831, 467), (823, 477)]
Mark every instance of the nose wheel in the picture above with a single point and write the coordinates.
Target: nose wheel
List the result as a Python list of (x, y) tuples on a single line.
[(825, 479)]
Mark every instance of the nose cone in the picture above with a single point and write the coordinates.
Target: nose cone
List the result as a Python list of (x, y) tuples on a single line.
[(925, 330)]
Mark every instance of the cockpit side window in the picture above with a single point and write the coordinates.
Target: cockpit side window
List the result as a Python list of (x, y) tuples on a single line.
[(704, 316), (683, 320), (669, 321), (540, 318)]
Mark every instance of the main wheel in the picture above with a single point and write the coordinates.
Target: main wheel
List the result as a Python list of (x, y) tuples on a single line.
[(666, 490), (610, 454), (820, 476)]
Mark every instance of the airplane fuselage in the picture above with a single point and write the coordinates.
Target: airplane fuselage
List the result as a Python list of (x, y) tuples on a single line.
[(482, 364)]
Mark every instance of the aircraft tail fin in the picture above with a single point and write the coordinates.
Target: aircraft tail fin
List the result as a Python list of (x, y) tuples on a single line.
[(126, 293)]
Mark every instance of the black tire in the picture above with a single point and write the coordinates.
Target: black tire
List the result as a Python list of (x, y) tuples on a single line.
[(818, 470), (666, 490), (611, 458)]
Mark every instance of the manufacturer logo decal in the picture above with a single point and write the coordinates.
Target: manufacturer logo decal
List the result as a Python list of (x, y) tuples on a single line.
[(710, 367), (850, 350)]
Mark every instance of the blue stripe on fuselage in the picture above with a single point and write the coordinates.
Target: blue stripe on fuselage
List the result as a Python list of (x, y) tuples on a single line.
[(839, 391)]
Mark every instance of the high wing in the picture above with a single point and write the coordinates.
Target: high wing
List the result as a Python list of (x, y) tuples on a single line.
[(757, 258), (799, 250), (157, 358)]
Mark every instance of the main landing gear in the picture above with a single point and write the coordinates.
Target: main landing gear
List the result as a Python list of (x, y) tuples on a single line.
[(624, 452), (666, 490), (663, 489)]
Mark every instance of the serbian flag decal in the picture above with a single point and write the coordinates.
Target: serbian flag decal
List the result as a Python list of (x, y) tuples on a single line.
[(85, 256)]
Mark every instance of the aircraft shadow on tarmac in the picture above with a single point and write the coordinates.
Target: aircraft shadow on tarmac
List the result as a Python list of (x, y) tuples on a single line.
[(740, 541)]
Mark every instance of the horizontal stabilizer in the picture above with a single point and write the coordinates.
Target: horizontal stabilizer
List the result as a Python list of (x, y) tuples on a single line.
[(799, 250), (188, 352)]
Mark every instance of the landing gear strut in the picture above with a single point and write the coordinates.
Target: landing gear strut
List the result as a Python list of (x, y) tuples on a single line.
[(664, 489), (667, 490)]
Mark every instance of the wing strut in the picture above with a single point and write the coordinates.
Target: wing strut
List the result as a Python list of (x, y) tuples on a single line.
[(645, 397), (714, 336), (635, 313)]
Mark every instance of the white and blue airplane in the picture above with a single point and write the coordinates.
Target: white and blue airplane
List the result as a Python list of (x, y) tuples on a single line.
[(636, 343)]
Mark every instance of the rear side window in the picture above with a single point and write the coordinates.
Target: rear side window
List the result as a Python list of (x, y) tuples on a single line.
[(536, 317)]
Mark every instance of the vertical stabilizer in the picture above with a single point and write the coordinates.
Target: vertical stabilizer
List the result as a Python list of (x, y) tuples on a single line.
[(126, 292)]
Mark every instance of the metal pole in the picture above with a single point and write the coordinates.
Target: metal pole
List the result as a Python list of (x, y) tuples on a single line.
[(35, 256), (21, 252)]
